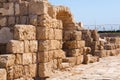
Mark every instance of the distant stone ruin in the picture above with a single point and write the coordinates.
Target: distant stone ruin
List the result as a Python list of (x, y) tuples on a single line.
[(37, 38)]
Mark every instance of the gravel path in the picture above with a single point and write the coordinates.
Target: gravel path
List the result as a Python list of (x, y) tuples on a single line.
[(107, 69)]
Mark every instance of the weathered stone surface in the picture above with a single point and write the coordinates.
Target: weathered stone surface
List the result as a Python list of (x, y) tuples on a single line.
[(33, 20), (58, 34), (11, 21), (79, 59), (27, 58), (8, 9), (58, 54), (24, 32), (74, 44), (54, 44), (31, 46), (42, 33), (44, 45), (18, 71), (15, 46), (45, 69), (5, 35), (3, 21), (90, 59), (73, 53), (34, 7), (7, 60), (18, 59), (29, 70), (43, 56), (70, 60), (3, 74)]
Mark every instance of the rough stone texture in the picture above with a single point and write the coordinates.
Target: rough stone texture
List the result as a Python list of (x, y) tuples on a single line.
[(22, 32), (40, 38), (5, 35), (15, 46), (7, 60), (3, 74)]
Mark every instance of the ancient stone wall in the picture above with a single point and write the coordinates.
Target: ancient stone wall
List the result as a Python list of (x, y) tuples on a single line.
[(37, 38)]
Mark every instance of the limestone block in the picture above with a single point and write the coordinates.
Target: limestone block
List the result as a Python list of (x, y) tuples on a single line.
[(54, 44), (5, 35), (37, 7), (51, 34), (70, 45), (77, 35), (113, 53), (70, 60), (86, 50), (43, 57), (101, 53), (10, 71), (11, 21), (3, 21), (30, 46), (27, 58), (27, 46), (45, 69), (3, 74), (23, 19), (33, 70), (67, 35), (42, 33), (33, 20), (110, 46), (90, 59), (34, 58), (24, 32), (23, 8), (65, 65), (70, 26), (59, 63), (18, 71), (81, 44), (6, 60), (26, 71), (79, 59), (95, 35), (33, 46), (44, 45), (15, 46), (44, 20), (58, 54), (18, 59), (8, 9), (17, 9), (17, 19), (58, 34), (51, 55), (73, 53)]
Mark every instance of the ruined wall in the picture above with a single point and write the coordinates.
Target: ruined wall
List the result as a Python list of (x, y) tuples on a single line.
[(37, 38), (109, 35)]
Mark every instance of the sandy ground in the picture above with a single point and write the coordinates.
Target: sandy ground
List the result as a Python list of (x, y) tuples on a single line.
[(107, 69)]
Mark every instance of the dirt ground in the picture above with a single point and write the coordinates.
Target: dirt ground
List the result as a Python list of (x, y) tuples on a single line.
[(106, 69)]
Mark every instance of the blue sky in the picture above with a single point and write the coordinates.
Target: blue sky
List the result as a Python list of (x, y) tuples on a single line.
[(93, 11)]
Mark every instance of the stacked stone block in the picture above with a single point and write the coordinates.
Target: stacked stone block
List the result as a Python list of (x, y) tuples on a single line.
[(74, 47), (3, 74), (21, 12), (21, 60), (50, 54)]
